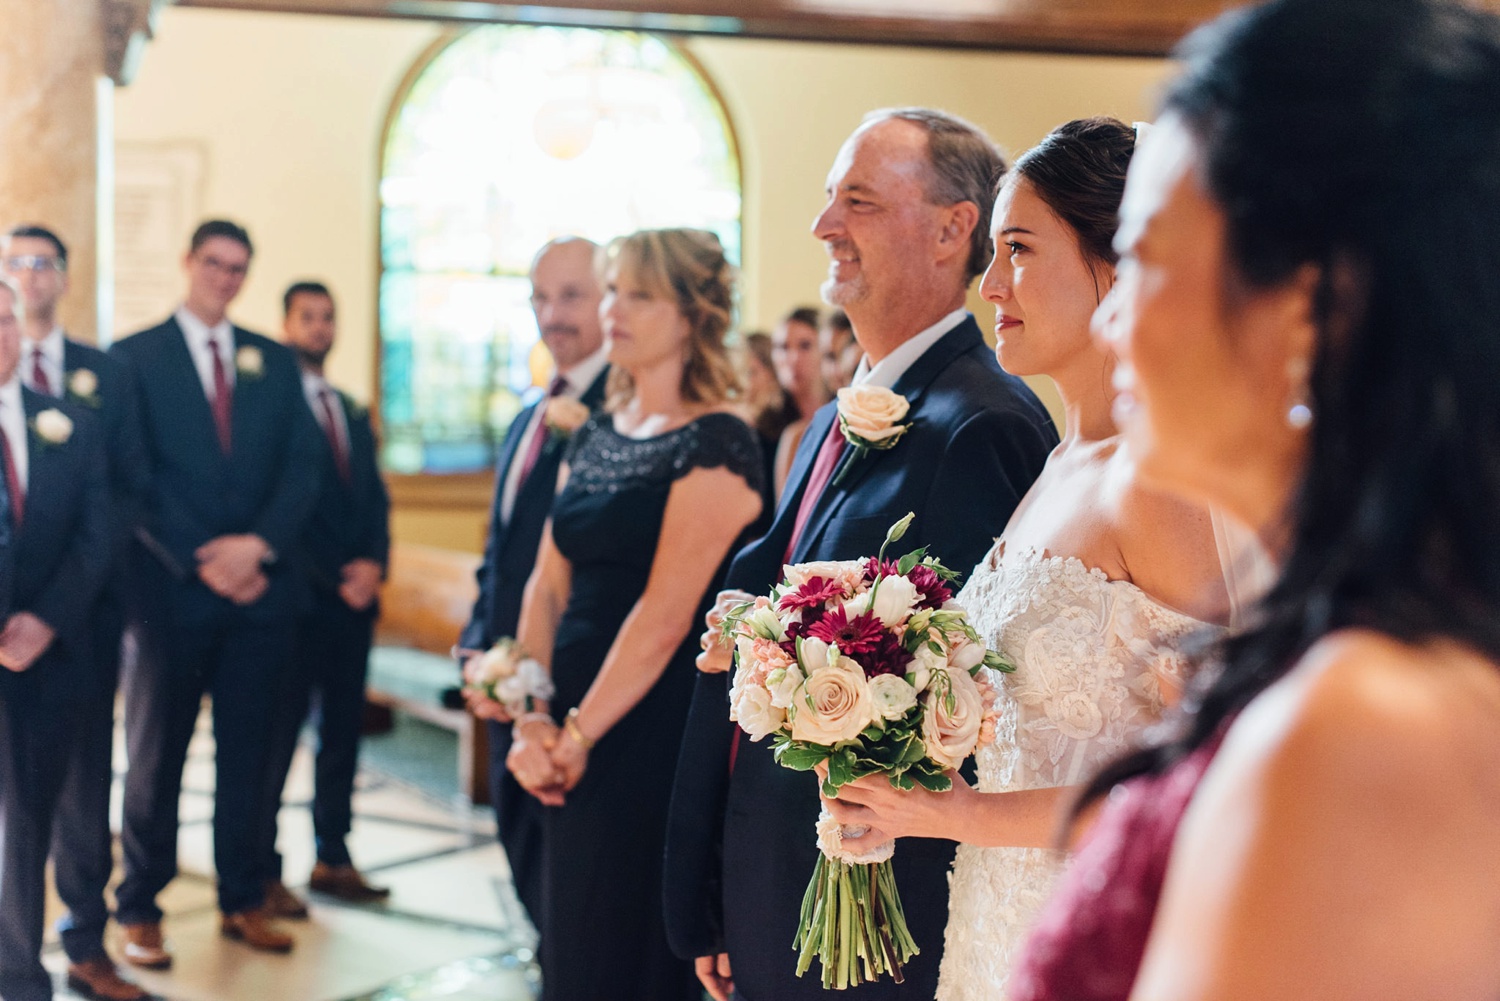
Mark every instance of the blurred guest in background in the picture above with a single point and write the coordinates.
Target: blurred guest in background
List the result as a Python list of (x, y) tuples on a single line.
[(841, 352), (798, 360)]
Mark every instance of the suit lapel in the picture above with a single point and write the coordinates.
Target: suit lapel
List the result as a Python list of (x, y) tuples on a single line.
[(856, 468), (244, 415), (43, 459), (178, 367)]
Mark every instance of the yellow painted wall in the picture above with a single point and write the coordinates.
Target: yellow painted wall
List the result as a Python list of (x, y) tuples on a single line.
[(289, 109)]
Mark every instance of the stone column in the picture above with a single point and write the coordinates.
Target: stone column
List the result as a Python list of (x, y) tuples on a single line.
[(52, 56)]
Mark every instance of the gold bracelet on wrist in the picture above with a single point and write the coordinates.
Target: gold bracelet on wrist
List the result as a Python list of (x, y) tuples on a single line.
[(570, 724)]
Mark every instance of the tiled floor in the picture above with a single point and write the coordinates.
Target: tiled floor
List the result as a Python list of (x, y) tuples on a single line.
[(452, 929)]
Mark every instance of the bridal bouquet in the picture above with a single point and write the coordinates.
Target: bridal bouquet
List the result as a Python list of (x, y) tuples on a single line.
[(506, 675), (865, 667)]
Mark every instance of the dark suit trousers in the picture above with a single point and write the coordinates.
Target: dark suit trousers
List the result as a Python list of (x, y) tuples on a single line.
[(237, 660), (34, 734), (518, 820), (331, 665), (82, 856)]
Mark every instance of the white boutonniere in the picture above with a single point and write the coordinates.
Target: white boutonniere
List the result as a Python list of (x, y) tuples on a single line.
[(53, 426), (564, 416), (872, 418), (83, 386), (249, 362)]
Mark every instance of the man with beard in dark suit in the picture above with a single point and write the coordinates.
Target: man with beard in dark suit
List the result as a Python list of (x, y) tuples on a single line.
[(57, 366), (233, 455), (343, 553), (565, 298), (55, 541), (906, 228)]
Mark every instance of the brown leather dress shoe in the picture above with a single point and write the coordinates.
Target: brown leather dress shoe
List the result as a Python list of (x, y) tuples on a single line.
[(254, 928), (98, 979), (283, 903), (145, 947), (345, 883)]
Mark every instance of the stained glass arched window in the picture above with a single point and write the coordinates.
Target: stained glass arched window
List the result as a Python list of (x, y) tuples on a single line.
[(510, 136)]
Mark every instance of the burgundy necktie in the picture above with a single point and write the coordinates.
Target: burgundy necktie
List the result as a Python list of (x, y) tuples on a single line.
[(39, 381), (335, 435), (13, 481), (817, 482), (223, 402), (539, 435)]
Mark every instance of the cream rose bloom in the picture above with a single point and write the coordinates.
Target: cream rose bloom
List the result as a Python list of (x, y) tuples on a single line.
[(965, 654), (872, 413), (249, 360), (565, 415), (951, 734), (54, 426), (750, 707), (892, 696), (833, 704), (83, 382)]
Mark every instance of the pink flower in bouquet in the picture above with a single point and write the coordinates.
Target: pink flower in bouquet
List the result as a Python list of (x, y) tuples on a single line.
[(815, 593), (835, 705), (769, 656), (930, 586), (750, 706), (848, 573), (853, 636), (952, 714)]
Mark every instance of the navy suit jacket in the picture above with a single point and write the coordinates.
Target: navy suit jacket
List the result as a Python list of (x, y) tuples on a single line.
[(350, 520), (510, 547), (61, 549), (266, 486), (741, 845)]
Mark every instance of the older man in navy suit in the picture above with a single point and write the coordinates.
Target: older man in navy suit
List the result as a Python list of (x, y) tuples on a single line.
[(55, 542), (343, 553), (233, 454), (565, 298), (55, 365), (906, 228)]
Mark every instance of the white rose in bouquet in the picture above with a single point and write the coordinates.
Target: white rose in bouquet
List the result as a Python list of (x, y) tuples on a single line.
[(833, 705), (783, 684), (894, 600), (924, 663), (952, 713), (892, 696), (751, 708), (814, 654)]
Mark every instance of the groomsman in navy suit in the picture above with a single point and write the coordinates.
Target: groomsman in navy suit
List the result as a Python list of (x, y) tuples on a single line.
[(55, 365), (906, 227), (234, 459), (55, 547), (565, 298), (343, 554)]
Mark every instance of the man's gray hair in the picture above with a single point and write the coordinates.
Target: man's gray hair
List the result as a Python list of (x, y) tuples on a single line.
[(563, 241), (966, 167)]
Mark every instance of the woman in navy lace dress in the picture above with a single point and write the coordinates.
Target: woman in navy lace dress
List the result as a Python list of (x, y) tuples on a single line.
[(659, 490)]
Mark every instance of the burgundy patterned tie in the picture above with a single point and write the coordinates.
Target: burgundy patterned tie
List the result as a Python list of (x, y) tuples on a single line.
[(334, 431), (39, 381), (539, 435), (223, 402), (817, 482)]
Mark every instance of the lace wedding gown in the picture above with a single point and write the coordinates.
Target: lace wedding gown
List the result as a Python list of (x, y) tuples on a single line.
[(1090, 654)]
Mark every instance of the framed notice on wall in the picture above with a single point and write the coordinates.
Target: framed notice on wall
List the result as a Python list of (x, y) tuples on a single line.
[(158, 199)]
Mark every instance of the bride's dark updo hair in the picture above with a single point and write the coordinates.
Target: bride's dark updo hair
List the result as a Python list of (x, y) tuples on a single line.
[(1363, 137), (1078, 170)]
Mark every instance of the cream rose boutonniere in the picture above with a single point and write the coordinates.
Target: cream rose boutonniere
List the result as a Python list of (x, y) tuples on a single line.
[(872, 418), (564, 416), (249, 362), (53, 427), (83, 386)]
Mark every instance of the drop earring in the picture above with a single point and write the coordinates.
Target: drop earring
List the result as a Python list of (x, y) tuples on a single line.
[(1299, 415)]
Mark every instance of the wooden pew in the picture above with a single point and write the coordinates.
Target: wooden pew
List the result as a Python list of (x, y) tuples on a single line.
[(424, 604)]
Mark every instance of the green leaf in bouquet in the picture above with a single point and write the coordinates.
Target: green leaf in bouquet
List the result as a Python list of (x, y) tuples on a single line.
[(840, 768), (733, 618), (931, 776), (910, 560), (914, 751), (943, 573), (800, 757)]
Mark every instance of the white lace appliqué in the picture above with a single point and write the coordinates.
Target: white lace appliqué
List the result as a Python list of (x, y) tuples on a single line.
[(1090, 654)]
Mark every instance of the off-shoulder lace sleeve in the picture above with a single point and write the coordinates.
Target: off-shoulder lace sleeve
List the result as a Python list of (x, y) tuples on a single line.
[(722, 441)]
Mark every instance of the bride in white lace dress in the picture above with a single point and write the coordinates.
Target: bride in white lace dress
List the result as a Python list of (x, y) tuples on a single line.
[(1091, 593)]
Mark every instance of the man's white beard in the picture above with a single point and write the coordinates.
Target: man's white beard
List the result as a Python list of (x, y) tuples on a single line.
[(842, 294)]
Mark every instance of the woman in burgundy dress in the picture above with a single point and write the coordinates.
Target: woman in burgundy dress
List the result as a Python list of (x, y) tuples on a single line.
[(1307, 316)]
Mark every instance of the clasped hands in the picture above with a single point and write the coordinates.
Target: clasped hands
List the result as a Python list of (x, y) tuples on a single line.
[(231, 567), (546, 760), (717, 655)]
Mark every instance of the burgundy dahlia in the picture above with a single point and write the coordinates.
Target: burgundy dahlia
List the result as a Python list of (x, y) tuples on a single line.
[(853, 637), (930, 586)]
